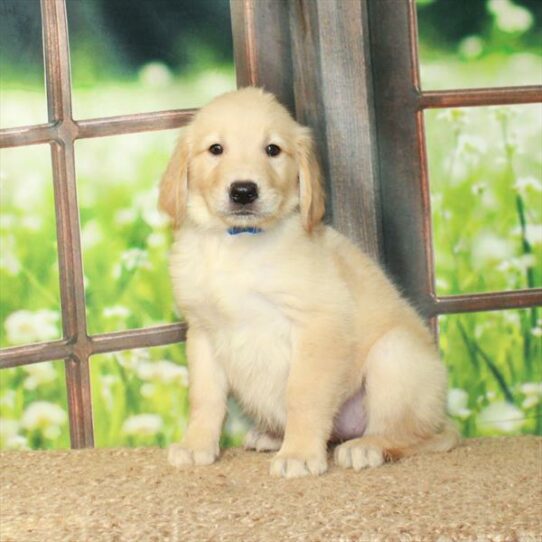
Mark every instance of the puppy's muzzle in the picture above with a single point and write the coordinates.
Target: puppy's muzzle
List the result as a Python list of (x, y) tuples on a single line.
[(243, 192)]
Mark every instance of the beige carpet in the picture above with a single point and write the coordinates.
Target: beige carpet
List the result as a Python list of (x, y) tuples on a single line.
[(488, 489)]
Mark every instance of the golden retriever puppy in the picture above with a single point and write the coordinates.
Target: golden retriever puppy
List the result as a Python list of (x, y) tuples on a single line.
[(284, 312)]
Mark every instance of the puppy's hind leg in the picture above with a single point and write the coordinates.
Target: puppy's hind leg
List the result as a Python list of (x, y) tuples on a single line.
[(405, 384)]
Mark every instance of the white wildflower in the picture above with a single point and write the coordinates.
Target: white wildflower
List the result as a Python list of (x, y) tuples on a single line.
[(131, 359), (481, 328), (52, 432), (38, 374), (7, 222), (32, 222), (471, 47), (457, 403), (147, 389), (531, 388), (536, 331), (116, 311), (470, 148), (155, 75), (131, 260), (44, 417), (479, 188), (488, 247), (500, 416), (25, 326), (28, 191), (17, 442), (125, 216), (512, 318), (456, 116), (156, 239), (442, 284), (532, 392), (510, 17), (142, 425), (529, 402), (526, 261), (91, 234), (8, 398), (134, 258), (521, 263), (147, 207), (155, 218), (524, 184), (108, 381), (9, 263), (460, 247), (8, 428), (163, 371), (533, 232), (8, 258), (512, 144)]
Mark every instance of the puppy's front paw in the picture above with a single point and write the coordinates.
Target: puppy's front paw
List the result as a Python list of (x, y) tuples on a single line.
[(180, 455), (261, 442), (358, 455), (289, 466)]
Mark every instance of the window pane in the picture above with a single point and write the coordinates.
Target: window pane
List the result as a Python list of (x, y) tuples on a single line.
[(125, 239), (494, 362), (485, 168), (487, 43), (140, 397), (149, 55), (33, 407), (29, 283), (22, 91)]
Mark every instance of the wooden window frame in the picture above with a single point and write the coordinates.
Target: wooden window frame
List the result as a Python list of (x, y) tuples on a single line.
[(332, 65)]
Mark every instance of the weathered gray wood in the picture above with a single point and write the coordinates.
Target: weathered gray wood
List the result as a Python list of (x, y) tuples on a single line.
[(404, 185), (333, 93), (261, 42), (315, 52)]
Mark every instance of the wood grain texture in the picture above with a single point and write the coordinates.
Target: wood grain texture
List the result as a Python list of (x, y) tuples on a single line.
[(333, 93), (481, 97), (261, 44), (72, 293), (404, 187)]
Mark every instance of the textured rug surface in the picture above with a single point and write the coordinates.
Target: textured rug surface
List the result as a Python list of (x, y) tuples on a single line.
[(487, 489)]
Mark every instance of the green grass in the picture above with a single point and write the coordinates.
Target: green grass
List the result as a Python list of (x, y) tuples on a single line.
[(485, 168)]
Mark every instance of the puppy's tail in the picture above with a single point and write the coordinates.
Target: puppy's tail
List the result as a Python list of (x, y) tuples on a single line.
[(444, 441)]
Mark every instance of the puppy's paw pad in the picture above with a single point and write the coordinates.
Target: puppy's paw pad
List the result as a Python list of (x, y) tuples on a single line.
[(358, 456), (182, 456), (261, 442), (296, 467)]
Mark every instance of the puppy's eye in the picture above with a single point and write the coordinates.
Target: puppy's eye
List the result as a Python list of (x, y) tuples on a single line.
[(216, 149), (272, 150)]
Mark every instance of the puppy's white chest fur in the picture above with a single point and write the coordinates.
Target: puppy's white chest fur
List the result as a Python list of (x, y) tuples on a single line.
[(225, 284)]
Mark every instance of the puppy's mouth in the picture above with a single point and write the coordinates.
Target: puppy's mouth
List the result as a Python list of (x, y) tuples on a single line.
[(244, 212), (244, 217), (251, 210)]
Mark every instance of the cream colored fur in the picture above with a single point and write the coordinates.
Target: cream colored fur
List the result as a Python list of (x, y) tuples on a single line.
[(294, 320)]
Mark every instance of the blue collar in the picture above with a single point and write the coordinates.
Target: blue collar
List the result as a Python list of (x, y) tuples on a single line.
[(236, 230)]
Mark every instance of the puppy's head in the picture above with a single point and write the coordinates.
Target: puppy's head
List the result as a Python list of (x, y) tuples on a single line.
[(243, 161)]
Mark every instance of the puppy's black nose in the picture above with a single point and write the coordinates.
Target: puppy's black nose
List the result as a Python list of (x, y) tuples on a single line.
[(243, 192)]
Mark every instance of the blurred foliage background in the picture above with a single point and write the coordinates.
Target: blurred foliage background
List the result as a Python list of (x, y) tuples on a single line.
[(149, 55)]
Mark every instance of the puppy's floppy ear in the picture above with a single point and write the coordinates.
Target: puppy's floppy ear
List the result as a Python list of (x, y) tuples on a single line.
[(174, 184), (311, 193)]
